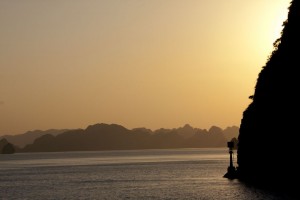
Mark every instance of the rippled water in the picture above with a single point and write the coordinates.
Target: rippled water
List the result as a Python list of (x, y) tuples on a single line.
[(138, 174)]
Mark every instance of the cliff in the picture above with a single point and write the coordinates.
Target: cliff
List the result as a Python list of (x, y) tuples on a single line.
[(267, 150)]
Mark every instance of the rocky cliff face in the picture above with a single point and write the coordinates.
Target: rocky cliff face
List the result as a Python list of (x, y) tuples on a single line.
[(268, 150)]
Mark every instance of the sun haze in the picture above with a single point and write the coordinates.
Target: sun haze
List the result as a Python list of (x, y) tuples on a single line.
[(137, 63)]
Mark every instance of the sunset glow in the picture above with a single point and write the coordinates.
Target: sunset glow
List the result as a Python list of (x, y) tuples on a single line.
[(137, 63)]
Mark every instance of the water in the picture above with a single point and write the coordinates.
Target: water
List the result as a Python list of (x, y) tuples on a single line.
[(112, 175)]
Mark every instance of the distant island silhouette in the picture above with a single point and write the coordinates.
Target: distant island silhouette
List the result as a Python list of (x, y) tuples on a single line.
[(268, 143), (23, 139), (116, 137), (7, 147)]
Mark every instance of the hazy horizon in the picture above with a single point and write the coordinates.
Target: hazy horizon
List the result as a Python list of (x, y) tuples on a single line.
[(155, 64), (140, 127)]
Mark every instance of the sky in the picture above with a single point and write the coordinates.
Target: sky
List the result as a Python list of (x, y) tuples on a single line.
[(137, 63)]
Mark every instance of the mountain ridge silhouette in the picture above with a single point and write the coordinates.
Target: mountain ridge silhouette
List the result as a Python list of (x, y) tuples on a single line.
[(103, 136)]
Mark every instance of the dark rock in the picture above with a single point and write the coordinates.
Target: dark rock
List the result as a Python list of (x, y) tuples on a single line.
[(8, 149), (268, 138)]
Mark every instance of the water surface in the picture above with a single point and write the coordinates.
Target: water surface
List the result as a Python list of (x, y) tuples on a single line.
[(137, 174)]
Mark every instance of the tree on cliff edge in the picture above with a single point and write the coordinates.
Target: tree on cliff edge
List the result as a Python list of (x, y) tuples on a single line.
[(268, 144)]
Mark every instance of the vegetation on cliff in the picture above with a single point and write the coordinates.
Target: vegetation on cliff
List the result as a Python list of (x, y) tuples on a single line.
[(267, 150)]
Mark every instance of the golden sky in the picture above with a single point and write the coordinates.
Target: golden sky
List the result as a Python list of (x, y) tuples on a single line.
[(137, 63)]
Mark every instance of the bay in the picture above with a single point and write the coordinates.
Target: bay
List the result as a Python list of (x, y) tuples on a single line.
[(131, 174)]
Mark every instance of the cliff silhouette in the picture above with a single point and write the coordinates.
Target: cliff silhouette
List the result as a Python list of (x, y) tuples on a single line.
[(116, 137), (267, 152)]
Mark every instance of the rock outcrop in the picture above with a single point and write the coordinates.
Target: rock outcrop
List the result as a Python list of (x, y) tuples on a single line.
[(268, 136)]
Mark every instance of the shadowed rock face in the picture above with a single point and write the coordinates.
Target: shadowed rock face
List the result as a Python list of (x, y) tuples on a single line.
[(268, 150)]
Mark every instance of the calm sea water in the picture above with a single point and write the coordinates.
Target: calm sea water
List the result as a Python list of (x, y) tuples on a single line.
[(139, 174)]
